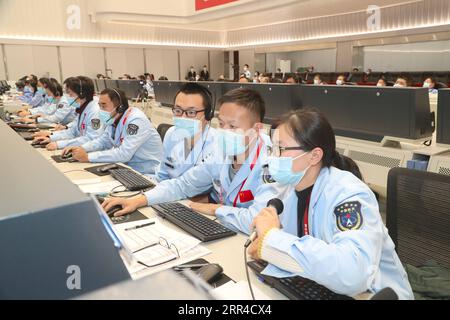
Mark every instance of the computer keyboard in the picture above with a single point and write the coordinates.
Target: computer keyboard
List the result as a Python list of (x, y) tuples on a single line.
[(131, 180), (193, 222), (296, 288)]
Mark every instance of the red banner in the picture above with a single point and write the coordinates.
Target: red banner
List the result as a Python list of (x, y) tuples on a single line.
[(205, 4)]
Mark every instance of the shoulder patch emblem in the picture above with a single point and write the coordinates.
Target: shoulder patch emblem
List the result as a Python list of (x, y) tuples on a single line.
[(60, 106), (95, 124), (132, 129), (348, 216)]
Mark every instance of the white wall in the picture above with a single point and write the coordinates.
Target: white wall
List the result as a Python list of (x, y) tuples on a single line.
[(217, 66), (323, 60), (2, 65), (82, 61), (195, 58), (246, 57), (125, 60), (26, 59), (162, 62), (420, 56)]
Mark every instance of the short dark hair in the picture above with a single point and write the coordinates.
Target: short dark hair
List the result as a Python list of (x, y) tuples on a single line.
[(54, 87), (195, 88), (82, 86), (248, 99), (45, 82), (117, 97), (246, 65), (406, 78)]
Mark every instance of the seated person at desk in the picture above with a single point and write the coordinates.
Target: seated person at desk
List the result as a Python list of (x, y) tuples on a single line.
[(46, 108), (33, 96), (57, 110), (129, 137), (330, 230), (86, 126), (318, 79), (402, 82), (431, 84), (192, 140), (233, 177), (381, 82), (340, 80)]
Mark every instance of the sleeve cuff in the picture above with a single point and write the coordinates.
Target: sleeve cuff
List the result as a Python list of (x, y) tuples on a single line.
[(222, 211)]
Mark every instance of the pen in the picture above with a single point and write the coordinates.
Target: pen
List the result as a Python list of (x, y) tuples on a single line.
[(140, 226)]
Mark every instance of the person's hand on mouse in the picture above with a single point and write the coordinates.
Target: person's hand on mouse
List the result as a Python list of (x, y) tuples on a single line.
[(128, 205), (23, 113), (60, 127), (67, 150), (52, 146), (41, 140), (28, 120), (80, 154), (43, 133)]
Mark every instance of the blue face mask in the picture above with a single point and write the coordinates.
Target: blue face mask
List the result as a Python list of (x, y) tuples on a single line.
[(105, 117), (49, 99), (41, 90), (231, 143), (27, 89), (72, 102), (186, 128), (280, 168)]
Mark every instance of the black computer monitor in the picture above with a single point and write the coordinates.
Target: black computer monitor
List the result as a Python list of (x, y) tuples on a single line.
[(443, 117), (371, 113), (100, 84), (111, 84), (130, 87), (165, 91)]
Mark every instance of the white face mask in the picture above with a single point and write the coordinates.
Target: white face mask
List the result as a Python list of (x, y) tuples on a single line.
[(316, 81), (339, 82), (398, 85), (426, 84), (379, 84)]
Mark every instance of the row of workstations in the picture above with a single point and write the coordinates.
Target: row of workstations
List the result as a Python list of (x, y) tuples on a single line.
[(378, 127), (55, 245)]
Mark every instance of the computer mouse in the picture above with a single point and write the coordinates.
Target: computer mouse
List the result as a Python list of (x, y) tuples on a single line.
[(210, 272), (113, 210), (68, 155), (107, 168)]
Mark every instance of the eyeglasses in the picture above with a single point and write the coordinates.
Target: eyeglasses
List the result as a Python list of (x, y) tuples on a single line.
[(276, 150), (178, 112), (164, 243)]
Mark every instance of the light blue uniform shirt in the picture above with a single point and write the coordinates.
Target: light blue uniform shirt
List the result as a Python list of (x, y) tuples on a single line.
[(213, 177), (175, 161), (348, 248), (134, 142), (63, 113), (87, 126)]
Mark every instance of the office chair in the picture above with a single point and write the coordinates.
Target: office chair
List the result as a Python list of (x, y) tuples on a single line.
[(418, 216), (162, 129)]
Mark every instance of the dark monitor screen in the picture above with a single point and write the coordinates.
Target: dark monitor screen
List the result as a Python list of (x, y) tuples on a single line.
[(165, 91), (371, 113), (100, 85), (111, 84), (443, 117), (130, 87)]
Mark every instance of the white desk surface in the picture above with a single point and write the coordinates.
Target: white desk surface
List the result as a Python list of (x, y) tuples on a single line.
[(228, 252)]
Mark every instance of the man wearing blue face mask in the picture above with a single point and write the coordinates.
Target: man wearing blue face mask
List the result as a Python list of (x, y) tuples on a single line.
[(191, 141), (330, 230), (233, 177), (129, 137), (86, 126)]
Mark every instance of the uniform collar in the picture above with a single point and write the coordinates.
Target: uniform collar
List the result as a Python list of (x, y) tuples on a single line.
[(319, 185)]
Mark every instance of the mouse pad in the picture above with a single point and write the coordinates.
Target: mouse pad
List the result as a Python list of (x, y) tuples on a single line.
[(134, 216), (93, 170), (223, 277), (58, 159)]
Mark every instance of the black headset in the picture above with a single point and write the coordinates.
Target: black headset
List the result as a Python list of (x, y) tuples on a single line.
[(121, 108), (81, 96), (210, 104)]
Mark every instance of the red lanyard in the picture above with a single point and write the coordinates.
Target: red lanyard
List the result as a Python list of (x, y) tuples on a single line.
[(123, 126), (83, 124), (305, 218), (251, 168)]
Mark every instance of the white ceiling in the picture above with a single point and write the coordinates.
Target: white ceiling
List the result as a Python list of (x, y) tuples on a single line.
[(236, 15)]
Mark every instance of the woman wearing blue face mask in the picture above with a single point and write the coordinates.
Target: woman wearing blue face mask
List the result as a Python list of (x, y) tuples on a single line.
[(330, 230), (191, 141)]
